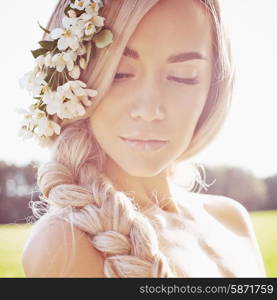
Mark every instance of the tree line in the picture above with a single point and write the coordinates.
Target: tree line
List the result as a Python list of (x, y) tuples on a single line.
[(18, 187)]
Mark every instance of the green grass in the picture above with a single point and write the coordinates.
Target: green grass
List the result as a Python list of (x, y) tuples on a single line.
[(265, 225), (12, 238)]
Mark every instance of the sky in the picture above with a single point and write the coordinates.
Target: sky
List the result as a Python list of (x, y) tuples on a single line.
[(248, 138)]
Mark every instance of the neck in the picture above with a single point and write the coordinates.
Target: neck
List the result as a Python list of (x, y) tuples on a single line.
[(145, 191)]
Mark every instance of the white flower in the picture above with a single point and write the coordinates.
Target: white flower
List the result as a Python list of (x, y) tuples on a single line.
[(98, 21), (80, 4), (47, 127), (71, 13), (47, 96), (75, 72), (89, 93), (83, 63), (48, 61), (53, 102), (33, 81), (74, 108), (40, 61), (90, 28), (25, 133), (77, 88), (27, 122), (81, 50), (74, 88), (93, 20), (64, 59), (69, 35), (71, 96), (27, 118), (75, 24), (35, 122), (41, 124), (86, 16), (99, 2), (53, 127), (93, 8), (70, 107)]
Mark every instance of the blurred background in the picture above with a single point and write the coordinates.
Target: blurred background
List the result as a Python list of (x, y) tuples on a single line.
[(240, 163)]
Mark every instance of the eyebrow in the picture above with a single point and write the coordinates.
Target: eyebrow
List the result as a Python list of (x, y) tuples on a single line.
[(180, 57)]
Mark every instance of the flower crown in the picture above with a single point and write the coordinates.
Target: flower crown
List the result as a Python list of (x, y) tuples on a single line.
[(54, 81)]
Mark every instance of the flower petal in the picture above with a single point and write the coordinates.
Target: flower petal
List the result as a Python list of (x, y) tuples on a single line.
[(62, 43), (56, 127), (70, 65), (85, 100), (91, 93), (73, 43), (98, 21), (56, 33), (75, 73)]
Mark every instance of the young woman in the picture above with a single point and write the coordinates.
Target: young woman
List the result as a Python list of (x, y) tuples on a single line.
[(112, 207)]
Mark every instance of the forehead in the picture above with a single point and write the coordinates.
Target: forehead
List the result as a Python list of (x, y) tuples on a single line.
[(173, 26)]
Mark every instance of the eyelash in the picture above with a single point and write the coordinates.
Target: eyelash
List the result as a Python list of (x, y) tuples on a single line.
[(177, 79)]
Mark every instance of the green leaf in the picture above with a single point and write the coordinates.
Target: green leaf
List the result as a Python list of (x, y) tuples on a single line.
[(44, 29), (56, 50), (38, 52), (42, 107), (103, 38), (49, 45)]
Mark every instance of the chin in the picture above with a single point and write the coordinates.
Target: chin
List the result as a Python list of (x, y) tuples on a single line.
[(141, 172), (142, 169)]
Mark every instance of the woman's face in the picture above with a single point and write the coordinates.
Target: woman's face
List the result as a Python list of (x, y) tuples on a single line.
[(159, 91)]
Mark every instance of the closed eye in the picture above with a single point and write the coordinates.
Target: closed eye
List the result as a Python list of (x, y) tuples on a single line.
[(177, 79), (122, 75), (184, 80)]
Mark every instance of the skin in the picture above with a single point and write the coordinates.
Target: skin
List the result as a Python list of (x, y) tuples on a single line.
[(151, 101), (210, 235)]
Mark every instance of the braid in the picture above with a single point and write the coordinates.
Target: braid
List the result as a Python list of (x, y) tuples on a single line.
[(124, 236)]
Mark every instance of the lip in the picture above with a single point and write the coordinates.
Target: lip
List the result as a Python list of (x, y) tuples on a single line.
[(142, 145), (144, 137)]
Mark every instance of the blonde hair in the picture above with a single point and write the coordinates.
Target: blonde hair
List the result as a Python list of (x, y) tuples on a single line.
[(73, 185)]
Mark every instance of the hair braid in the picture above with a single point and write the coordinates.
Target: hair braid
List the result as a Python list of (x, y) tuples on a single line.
[(116, 228)]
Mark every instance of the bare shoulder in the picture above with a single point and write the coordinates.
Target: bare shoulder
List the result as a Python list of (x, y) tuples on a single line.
[(57, 249), (232, 214), (227, 211)]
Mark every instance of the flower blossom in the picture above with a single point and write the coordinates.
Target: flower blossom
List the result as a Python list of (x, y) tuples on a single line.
[(33, 81), (69, 35), (35, 122), (64, 59), (70, 98), (80, 4), (44, 126)]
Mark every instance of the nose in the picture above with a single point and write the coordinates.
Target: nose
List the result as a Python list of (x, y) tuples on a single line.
[(148, 103)]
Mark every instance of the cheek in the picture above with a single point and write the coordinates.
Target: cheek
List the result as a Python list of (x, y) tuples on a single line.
[(98, 121), (105, 121), (187, 107), (184, 113), (105, 114)]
